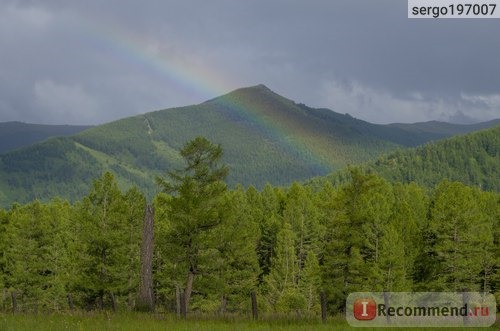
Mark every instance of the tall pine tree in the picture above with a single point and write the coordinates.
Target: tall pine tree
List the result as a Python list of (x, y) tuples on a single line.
[(35, 255), (103, 242), (194, 208), (454, 238)]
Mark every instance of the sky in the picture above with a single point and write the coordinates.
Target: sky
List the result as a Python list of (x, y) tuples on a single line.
[(95, 61)]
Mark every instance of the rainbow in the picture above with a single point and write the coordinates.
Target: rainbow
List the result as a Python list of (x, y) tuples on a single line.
[(141, 51), (277, 133), (200, 80)]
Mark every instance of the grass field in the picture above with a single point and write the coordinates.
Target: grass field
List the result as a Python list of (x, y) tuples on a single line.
[(142, 321)]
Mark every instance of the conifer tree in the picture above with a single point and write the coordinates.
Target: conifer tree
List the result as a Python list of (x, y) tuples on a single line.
[(34, 255), (269, 217), (392, 262), (235, 265), (281, 284), (102, 244), (495, 276), (133, 204), (487, 235), (168, 273), (310, 282), (352, 251), (454, 239), (409, 217), (303, 217), (194, 208), (359, 273)]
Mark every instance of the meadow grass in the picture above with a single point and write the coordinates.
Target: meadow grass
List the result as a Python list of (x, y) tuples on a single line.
[(142, 321)]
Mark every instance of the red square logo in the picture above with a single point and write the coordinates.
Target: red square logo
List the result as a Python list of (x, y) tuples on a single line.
[(365, 309)]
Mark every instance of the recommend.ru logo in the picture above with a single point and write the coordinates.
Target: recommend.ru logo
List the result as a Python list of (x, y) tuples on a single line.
[(420, 309)]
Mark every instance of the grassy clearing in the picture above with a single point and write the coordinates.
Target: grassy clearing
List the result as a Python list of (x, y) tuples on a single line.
[(141, 321)]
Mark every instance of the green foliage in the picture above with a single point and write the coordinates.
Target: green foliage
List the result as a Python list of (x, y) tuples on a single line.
[(392, 262), (310, 283), (472, 159), (106, 242), (167, 272), (408, 216), (358, 253), (35, 255), (219, 245), (39, 172), (459, 239), (282, 281), (236, 269), (367, 235), (196, 209), (303, 216), (268, 209), (4, 219)]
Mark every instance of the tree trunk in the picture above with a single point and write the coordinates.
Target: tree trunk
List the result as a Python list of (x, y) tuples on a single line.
[(223, 304), (189, 289), (5, 295), (146, 297), (183, 304), (100, 300), (178, 300), (113, 302), (322, 299), (466, 303), (254, 306), (70, 302), (386, 303), (14, 301)]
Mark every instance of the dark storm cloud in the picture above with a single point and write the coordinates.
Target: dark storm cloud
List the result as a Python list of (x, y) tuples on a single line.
[(60, 64)]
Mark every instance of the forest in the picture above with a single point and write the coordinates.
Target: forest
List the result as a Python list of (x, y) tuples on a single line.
[(214, 246)]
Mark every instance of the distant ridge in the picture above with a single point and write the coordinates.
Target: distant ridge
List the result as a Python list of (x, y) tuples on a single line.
[(14, 135), (266, 138), (439, 130)]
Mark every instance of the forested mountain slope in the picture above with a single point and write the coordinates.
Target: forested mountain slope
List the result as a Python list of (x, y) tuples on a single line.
[(473, 159), (265, 138)]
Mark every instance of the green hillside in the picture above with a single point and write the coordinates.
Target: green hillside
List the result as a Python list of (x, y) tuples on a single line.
[(473, 159), (265, 138), (15, 135)]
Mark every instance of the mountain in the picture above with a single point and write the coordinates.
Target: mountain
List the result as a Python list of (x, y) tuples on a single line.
[(14, 135), (265, 138), (438, 130), (473, 159)]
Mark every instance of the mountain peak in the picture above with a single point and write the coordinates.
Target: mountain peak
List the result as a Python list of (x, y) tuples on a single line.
[(262, 86), (249, 90), (255, 88)]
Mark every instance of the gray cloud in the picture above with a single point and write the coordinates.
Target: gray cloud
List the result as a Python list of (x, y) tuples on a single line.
[(88, 62)]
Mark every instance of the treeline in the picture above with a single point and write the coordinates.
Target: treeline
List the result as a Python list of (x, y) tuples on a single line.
[(215, 246)]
